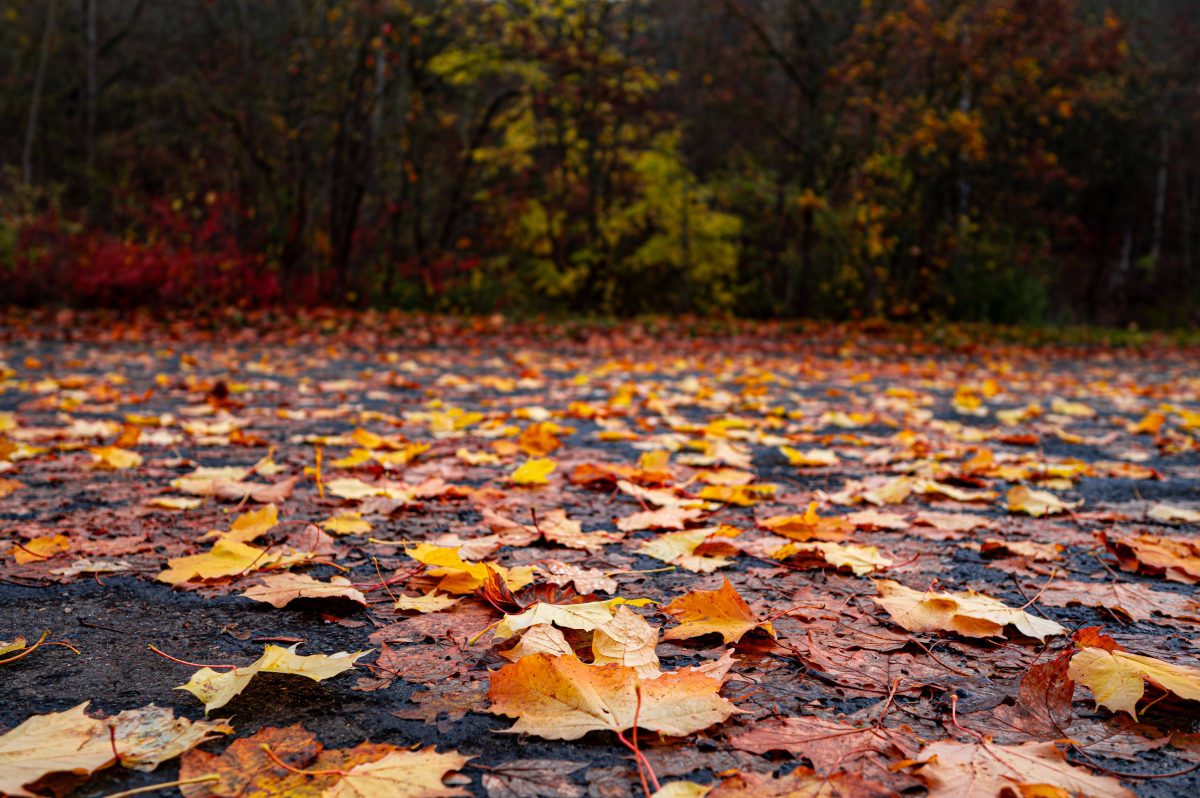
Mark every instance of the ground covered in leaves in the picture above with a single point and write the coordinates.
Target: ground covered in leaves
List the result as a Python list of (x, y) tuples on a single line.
[(404, 557)]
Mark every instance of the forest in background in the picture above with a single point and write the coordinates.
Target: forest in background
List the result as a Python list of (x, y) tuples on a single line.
[(1005, 160)]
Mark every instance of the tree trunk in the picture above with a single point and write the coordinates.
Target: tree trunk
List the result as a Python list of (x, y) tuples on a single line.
[(35, 104)]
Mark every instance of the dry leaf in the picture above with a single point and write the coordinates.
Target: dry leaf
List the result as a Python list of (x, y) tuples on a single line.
[(1117, 678), (225, 558), (969, 613), (627, 639), (280, 589), (561, 698), (1038, 503), (988, 770), (1175, 558), (720, 611), (681, 548), (218, 688), (534, 472), (60, 742)]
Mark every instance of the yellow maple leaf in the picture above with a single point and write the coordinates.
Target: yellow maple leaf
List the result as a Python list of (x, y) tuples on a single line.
[(1038, 503), (218, 688), (459, 576), (348, 523), (809, 526), (534, 472), (586, 616), (225, 558), (859, 560), (41, 548), (1117, 678), (400, 774), (114, 458), (813, 458), (680, 548)]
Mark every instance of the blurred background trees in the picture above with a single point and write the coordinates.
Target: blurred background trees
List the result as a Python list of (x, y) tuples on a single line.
[(1006, 160)]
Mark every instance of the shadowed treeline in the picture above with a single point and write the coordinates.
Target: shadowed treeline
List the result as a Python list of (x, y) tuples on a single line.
[(1005, 160)]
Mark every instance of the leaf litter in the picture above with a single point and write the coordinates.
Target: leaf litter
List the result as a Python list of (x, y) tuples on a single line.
[(793, 565)]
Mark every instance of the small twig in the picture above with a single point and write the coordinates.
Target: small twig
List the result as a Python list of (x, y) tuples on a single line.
[(190, 664)]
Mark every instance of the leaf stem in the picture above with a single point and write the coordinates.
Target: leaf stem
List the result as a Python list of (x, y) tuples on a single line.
[(190, 664)]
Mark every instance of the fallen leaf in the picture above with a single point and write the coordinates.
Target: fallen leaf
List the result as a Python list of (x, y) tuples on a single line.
[(461, 577), (346, 524), (989, 770), (859, 560), (809, 526), (561, 698), (41, 548), (225, 558), (114, 458), (1038, 503), (627, 639), (1117, 678), (430, 602), (720, 611), (145, 738), (534, 472), (533, 778), (60, 742), (969, 613), (1175, 558), (279, 590), (682, 548), (218, 688)]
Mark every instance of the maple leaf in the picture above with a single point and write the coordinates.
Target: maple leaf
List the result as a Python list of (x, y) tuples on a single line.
[(561, 698), (800, 783), (114, 458), (400, 774), (533, 778), (461, 577), (990, 770), (541, 638), (968, 613), (218, 688), (1175, 558), (280, 589), (346, 524), (430, 602), (809, 526), (738, 495), (369, 770), (626, 640), (1038, 503), (813, 458), (145, 738), (41, 548), (826, 743), (534, 472), (225, 558), (684, 548), (250, 526), (859, 560), (60, 742), (585, 617), (673, 517), (586, 580), (722, 611), (1117, 678), (1169, 514)]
